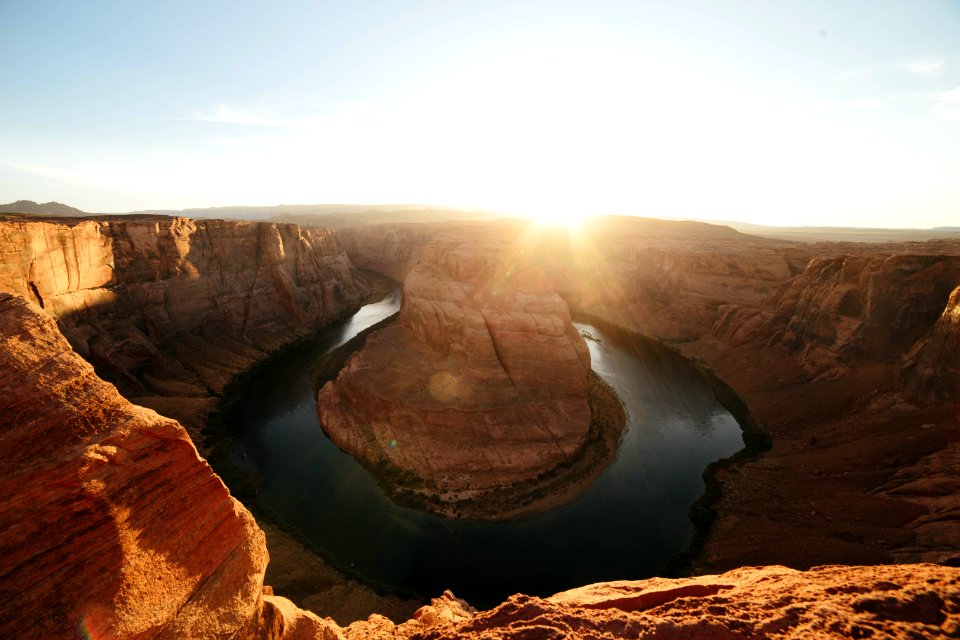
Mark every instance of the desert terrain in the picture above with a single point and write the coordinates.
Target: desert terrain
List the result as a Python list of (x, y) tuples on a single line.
[(121, 336)]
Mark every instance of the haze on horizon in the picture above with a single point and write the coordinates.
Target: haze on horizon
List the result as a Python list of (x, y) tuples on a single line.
[(840, 113)]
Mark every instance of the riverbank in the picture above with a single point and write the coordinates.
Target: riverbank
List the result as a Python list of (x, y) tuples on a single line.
[(834, 486)]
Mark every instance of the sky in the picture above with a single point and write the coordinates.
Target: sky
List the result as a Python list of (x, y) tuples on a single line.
[(809, 112)]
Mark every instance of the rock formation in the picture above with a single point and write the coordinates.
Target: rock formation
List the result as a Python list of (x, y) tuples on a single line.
[(168, 309), (390, 249), (112, 526), (932, 366), (481, 383), (861, 308), (845, 353), (110, 523), (34, 208), (914, 601)]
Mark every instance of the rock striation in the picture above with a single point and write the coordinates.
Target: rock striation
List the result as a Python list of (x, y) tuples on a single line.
[(860, 308), (111, 525), (931, 368), (169, 309), (482, 382)]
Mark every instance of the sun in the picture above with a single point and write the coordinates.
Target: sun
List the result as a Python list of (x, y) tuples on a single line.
[(570, 220)]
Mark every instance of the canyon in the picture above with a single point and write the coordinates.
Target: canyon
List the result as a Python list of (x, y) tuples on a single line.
[(842, 353), (845, 355)]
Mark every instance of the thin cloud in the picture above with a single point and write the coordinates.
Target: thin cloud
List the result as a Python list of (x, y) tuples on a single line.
[(948, 104), (239, 140), (226, 114), (45, 171), (867, 104), (926, 67), (861, 72), (920, 67)]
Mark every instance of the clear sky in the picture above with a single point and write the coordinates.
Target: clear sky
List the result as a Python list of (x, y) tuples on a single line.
[(836, 112)]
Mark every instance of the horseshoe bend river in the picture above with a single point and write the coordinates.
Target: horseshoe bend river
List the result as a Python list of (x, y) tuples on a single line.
[(625, 525)]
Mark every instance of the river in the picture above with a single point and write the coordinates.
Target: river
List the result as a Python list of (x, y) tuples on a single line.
[(624, 526)]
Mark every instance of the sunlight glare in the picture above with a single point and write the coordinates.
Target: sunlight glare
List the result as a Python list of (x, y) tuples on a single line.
[(570, 220)]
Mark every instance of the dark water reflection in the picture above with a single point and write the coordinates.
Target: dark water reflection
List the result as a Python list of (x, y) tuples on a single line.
[(626, 524)]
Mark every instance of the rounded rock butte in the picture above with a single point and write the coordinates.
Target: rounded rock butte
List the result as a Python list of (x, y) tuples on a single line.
[(483, 380)]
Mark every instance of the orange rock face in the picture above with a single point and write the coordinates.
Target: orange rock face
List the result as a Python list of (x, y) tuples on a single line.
[(168, 309), (483, 380), (913, 601), (110, 524), (932, 367), (390, 249)]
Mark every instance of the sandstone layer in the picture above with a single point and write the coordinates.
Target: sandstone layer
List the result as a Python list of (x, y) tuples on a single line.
[(392, 249), (482, 382), (915, 601), (169, 309), (111, 525)]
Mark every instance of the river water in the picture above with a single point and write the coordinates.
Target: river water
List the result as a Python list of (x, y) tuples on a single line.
[(624, 526)]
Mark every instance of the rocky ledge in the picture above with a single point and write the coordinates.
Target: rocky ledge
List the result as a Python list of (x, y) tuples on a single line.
[(910, 601)]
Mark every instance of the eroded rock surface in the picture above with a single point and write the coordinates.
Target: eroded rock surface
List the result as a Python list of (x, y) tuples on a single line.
[(169, 309), (920, 601), (481, 383), (392, 249), (110, 523)]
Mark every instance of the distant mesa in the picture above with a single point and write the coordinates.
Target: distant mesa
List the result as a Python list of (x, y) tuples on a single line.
[(47, 208)]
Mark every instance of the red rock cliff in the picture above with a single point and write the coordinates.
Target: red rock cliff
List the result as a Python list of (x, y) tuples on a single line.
[(173, 307)]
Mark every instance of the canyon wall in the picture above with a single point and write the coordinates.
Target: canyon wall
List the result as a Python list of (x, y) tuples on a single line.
[(932, 366), (483, 380), (168, 309), (858, 308), (391, 249), (666, 279)]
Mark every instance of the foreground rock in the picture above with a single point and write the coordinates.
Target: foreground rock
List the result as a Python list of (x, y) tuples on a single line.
[(483, 381), (110, 524), (915, 601)]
